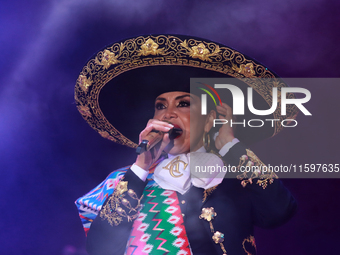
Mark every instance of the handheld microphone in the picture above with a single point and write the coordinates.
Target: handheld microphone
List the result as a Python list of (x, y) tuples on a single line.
[(155, 137)]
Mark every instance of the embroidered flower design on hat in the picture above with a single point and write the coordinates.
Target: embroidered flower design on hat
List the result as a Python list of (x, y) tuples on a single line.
[(84, 83), (200, 51), (85, 111), (150, 47), (108, 58), (247, 70)]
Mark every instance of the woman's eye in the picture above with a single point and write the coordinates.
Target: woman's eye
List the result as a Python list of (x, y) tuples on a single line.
[(159, 106), (183, 104)]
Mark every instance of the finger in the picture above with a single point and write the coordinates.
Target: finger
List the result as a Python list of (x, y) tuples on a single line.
[(145, 134), (157, 125), (166, 140), (146, 130), (161, 128), (226, 106), (159, 122), (221, 110), (157, 150), (227, 110), (160, 125)]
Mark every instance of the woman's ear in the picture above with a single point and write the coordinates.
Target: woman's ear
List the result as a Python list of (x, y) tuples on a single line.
[(209, 122)]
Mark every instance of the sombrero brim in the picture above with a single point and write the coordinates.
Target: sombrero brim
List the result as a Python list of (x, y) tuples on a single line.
[(117, 88)]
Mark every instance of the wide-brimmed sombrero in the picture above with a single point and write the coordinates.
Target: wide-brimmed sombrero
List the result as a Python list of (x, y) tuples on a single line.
[(116, 89)]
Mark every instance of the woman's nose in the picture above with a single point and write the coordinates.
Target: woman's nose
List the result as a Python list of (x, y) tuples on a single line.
[(169, 114)]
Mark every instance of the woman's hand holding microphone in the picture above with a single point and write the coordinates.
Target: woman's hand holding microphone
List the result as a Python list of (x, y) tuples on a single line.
[(156, 133)]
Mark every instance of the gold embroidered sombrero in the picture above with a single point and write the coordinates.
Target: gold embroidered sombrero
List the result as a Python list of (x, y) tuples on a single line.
[(116, 89)]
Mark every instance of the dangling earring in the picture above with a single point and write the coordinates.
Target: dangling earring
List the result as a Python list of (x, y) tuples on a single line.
[(206, 141)]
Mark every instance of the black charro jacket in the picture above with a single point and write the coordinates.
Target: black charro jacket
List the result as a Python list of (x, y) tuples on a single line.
[(238, 210)]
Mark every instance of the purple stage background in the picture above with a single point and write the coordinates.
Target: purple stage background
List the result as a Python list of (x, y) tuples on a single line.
[(50, 156)]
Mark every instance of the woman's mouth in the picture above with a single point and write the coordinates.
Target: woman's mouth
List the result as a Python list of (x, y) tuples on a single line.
[(175, 132)]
